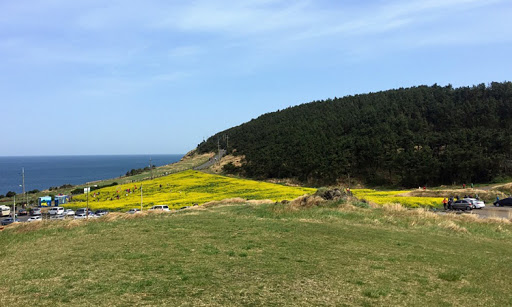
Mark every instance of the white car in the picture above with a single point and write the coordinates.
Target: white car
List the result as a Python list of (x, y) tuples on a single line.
[(80, 215), (69, 212), (160, 207), (34, 218), (83, 215), (133, 211), (477, 204), (56, 211)]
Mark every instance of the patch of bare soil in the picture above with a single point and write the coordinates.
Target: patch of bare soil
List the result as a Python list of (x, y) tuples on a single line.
[(236, 160)]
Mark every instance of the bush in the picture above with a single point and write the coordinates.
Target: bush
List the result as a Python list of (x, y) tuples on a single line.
[(10, 194), (230, 168), (33, 191), (361, 204)]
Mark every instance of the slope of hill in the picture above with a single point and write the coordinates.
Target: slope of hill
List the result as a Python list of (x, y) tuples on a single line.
[(415, 136), (260, 255)]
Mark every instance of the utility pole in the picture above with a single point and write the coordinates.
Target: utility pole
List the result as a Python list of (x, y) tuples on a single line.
[(23, 178), (227, 143), (87, 209), (141, 197), (151, 167)]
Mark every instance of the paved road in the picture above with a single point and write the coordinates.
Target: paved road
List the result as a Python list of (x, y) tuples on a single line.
[(488, 211), (491, 211), (212, 161), (22, 218)]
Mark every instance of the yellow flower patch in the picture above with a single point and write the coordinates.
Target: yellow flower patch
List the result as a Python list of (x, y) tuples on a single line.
[(390, 197), (185, 189)]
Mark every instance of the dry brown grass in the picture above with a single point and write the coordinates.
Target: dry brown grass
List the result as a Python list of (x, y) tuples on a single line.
[(396, 207), (450, 225), (306, 201), (449, 192), (236, 160), (234, 201)]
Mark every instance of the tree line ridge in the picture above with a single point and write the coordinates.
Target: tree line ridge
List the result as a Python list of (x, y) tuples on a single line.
[(424, 135)]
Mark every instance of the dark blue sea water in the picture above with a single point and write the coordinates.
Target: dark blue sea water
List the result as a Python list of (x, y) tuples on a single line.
[(44, 172)]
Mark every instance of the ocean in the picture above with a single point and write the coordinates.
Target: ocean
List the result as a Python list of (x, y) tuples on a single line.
[(50, 171)]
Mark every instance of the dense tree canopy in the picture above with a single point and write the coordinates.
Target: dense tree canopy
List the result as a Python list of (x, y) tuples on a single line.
[(414, 136)]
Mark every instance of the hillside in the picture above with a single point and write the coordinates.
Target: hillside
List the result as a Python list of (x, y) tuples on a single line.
[(185, 188), (336, 254), (425, 135)]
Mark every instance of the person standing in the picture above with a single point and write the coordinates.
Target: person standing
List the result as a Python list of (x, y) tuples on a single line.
[(445, 203)]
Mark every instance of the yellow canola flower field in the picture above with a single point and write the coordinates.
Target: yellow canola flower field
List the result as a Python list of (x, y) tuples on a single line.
[(390, 197), (185, 189)]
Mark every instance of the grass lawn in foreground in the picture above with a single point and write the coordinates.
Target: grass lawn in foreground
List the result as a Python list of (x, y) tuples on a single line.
[(273, 254)]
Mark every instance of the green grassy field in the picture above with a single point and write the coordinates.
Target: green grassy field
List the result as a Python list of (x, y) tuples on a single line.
[(272, 254)]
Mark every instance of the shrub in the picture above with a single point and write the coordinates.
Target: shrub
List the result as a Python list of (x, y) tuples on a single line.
[(451, 275)]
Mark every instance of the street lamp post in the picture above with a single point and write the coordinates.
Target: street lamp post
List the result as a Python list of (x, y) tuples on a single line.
[(87, 211), (141, 197)]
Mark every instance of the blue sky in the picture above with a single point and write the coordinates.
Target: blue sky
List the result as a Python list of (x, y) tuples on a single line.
[(130, 77)]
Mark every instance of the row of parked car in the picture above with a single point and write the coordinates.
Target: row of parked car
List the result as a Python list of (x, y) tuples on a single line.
[(60, 213), (473, 203), (466, 204)]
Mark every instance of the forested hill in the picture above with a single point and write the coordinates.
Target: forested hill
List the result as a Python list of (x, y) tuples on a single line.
[(408, 136)]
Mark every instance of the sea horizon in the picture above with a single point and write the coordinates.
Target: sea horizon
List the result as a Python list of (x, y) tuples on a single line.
[(45, 171)]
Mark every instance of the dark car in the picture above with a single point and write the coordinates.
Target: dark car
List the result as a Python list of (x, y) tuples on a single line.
[(462, 204), (101, 212), (9, 221), (503, 202), (22, 212)]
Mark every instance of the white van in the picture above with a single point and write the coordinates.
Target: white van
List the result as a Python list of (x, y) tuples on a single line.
[(160, 207), (56, 211), (5, 211)]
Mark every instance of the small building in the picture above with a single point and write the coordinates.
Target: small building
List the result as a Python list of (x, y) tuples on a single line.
[(61, 200), (45, 201)]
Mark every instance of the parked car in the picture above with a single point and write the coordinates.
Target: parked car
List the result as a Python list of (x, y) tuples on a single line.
[(5, 210), (80, 215), (101, 212), (10, 220), (56, 211), (69, 212), (35, 211), (132, 211), (462, 204), (160, 207), (503, 202), (34, 218), (22, 212), (84, 211), (477, 204)]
